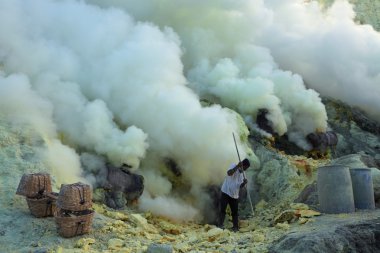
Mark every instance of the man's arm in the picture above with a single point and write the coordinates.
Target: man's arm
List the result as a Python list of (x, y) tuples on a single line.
[(230, 172)]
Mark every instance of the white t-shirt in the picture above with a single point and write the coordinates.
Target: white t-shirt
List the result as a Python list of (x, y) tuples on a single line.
[(231, 184)]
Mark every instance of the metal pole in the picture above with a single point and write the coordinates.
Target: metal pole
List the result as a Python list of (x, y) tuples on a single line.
[(249, 197)]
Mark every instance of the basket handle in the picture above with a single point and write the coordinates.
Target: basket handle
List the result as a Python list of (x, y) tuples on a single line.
[(41, 191), (81, 224), (51, 195), (48, 205), (81, 194)]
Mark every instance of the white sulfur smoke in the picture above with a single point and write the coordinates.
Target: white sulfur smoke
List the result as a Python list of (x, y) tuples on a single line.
[(169, 207), (335, 56), (63, 162), (117, 86), (224, 64), (95, 169), (156, 184), (23, 106), (91, 124)]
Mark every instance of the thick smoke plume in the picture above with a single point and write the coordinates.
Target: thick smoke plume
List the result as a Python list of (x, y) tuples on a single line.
[(121, 82), (225, 64), (116, 87), (236, 41), (335, 56), (24, 107)]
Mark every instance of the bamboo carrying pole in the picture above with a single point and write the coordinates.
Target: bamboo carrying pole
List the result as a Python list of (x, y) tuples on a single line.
[(249, 197)]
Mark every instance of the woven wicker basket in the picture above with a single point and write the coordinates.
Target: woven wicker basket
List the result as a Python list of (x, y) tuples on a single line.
[(42, 207), (70, 224), (75, 197), (34, 185)]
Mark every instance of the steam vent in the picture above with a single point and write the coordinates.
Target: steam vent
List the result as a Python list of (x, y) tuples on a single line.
[(189, 126)]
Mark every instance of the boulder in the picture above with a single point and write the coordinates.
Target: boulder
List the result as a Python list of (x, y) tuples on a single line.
[(309, 195), (276, 178), (115, 199), (160, 248), (285, 216), (115, 243), (359, 237)]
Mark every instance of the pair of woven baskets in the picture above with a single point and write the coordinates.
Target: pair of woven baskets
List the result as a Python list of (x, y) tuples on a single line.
[(38, 193), (74, 216), (70, 207)]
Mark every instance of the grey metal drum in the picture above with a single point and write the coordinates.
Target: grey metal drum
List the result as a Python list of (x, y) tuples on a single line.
[(362, 186), (335, 192)]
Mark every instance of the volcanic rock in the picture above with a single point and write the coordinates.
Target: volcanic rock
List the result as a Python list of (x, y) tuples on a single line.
[(362, 236), (160, 248), (115, 243), (285, 216)]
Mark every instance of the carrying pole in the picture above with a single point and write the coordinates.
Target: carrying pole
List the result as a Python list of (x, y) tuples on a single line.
[(237, 151)]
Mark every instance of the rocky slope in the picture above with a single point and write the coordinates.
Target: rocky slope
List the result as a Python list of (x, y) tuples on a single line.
[(275, 226), (358, 232)]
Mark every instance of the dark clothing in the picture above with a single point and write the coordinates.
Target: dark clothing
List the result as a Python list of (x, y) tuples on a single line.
[(233, 203), (225, 199)]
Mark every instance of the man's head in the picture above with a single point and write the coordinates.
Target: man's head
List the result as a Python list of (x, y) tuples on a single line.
[(245, 164)]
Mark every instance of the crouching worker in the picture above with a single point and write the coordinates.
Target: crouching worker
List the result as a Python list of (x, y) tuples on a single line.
[(234, 181)]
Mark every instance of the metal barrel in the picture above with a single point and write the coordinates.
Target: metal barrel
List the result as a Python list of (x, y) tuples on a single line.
[(362, 186), (335, 192)]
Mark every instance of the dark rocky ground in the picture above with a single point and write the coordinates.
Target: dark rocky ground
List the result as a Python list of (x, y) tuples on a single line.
[(356, 232)]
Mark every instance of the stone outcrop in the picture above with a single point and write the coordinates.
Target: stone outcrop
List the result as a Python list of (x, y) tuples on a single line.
[(361, 236), (356, 132)]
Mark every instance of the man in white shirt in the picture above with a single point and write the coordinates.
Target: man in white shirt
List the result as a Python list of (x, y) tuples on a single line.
[(234, 180)]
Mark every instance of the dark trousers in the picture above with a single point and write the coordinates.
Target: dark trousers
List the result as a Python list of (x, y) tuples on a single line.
[(234, 205)]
